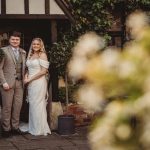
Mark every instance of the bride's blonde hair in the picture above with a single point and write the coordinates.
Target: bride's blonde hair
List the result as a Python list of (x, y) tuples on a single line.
[(42, 49)]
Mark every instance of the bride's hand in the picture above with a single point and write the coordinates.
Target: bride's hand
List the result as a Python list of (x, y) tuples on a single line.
[(26, 80)]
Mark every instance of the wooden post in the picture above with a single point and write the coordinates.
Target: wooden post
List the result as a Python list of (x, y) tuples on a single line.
[(123, 19), (67, 95), (53, 31), (53, 82), (3, 7), (54, 73), (26, 6)]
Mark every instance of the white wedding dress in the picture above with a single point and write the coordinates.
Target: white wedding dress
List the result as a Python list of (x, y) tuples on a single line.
[(37, 98)]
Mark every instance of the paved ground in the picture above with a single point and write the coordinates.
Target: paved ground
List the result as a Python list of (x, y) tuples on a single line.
[(78, 141)]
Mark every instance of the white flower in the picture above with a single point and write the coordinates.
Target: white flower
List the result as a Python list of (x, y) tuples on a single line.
[(142, 103), (145, 139), (77, 67), (110, 59), (135, 51), (113, 109), (147, 84), (91, 98), (126, 68), (102, 136), (136, 22), (123, 131), (88, 43)]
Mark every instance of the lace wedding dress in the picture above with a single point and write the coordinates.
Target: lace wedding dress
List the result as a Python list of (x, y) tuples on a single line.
[(37, 98)]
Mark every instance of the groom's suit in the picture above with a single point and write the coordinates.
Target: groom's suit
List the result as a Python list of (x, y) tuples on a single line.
[(12, 72)]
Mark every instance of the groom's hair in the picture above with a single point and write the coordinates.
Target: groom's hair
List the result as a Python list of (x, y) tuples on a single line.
[(15, 33)]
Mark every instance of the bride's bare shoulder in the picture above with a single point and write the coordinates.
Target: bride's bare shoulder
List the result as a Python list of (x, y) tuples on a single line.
[(43, 56)]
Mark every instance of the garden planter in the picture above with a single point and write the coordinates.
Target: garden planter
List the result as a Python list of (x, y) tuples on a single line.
[(66, 124)]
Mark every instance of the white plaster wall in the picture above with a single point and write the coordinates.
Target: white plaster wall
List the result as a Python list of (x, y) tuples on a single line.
[(15, 7), (54, 8), (36, 6)]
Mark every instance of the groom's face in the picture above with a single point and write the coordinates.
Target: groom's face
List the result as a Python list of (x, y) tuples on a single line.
[(14, 41)]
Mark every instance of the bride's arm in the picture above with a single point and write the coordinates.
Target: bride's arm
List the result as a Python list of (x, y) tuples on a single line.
[(43, 70), (26, 76)]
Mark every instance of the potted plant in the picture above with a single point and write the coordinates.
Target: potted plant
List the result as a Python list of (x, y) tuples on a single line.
[(59, 54), (66, 122)]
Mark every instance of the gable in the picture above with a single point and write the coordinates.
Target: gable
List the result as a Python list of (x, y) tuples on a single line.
[(30, 7)]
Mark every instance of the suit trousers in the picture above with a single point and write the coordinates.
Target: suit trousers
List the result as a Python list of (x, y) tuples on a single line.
[(11, 106)]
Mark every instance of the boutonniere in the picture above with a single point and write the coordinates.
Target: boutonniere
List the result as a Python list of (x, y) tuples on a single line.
[(2, 54), (23, 52)]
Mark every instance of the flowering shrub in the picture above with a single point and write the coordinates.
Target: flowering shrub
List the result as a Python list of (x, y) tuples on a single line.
[(116, 83)]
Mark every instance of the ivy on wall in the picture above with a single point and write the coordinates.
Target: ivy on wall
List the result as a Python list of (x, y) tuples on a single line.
[(93, 15)]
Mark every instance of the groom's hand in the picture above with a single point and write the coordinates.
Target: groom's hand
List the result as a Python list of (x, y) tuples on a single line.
[(26, 81), (6, 86)]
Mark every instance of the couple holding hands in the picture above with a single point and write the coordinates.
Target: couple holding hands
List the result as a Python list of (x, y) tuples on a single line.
[(13, 78)]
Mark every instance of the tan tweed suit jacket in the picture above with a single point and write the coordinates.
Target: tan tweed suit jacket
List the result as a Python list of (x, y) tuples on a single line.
[(12, 98), (7, 66)]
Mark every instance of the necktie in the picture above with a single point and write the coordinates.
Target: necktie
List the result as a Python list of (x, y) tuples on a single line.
[(16, 54)]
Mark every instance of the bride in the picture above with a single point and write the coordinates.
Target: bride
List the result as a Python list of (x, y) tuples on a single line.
[(35, 78)]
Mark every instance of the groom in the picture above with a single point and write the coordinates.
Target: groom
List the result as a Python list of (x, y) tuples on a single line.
[(12, 69)]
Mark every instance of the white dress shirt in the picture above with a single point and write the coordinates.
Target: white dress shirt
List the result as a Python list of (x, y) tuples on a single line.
[(16, 52)]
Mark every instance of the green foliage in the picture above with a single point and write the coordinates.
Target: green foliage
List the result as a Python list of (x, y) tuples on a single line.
[(89, 15), (71, 92), (60, 54), (122, 122), (137, 4)]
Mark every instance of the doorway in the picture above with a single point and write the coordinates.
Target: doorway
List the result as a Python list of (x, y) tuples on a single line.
[(30, 28)]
